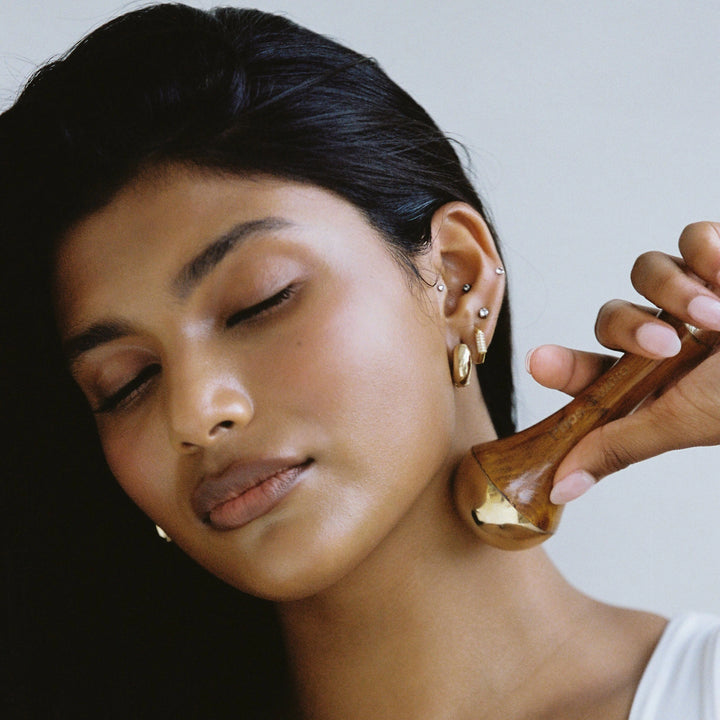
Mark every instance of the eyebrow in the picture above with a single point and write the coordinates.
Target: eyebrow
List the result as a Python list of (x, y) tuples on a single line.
[(182, 285), (97, 334), (213, 253)]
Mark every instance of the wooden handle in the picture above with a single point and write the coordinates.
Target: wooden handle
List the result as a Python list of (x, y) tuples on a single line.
[(502, 488)]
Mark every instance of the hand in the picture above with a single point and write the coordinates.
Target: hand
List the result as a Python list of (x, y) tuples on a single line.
[(688, 412)]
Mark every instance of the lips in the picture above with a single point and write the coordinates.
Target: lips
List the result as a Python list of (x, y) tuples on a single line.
[(245, 491)]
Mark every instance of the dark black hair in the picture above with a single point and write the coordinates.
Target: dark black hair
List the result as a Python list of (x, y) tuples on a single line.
[(231, 90)]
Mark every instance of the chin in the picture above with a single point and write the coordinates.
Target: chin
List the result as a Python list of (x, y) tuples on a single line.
[(278, 582), (279, 568)]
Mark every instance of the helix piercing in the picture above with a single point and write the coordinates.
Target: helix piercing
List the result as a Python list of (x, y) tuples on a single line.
[(466, 287)]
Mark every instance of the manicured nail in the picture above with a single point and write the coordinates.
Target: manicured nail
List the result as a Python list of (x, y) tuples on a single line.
[(572, 486), (705, 311), (527, 359), (658, 340)]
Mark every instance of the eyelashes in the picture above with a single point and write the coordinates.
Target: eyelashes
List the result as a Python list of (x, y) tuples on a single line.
[(132, 390), (127, 392), (257, 311)]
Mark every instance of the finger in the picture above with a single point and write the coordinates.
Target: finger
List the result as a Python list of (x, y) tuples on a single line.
[(668, 283), (700, 247), (648, 432), (632, 328), (561, 368), (607, 449)]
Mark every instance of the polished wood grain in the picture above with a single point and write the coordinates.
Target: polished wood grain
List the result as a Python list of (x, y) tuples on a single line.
[(523, 465)]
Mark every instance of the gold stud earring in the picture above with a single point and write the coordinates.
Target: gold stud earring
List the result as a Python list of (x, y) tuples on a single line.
[(162, 534), (481, 345), (462, 365)]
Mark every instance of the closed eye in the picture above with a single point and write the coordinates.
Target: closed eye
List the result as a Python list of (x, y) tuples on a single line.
[(128, 392), (255, 312)]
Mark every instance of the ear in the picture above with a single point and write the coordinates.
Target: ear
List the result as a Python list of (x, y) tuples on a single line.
[(464, 254)]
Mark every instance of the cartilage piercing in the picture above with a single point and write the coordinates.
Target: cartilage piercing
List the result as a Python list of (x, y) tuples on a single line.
[(480, 346)]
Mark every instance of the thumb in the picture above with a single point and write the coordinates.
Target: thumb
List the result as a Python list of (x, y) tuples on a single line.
[(613, 447)]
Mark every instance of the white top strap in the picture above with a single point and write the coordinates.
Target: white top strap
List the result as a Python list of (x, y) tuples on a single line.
[(682, 679)]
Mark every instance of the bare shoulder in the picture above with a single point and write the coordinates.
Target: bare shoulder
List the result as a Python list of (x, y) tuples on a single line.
[(640, 627), (621, 643), (594, 666)]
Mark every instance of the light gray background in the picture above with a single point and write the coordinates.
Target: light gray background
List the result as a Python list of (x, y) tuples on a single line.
[(595, 134)]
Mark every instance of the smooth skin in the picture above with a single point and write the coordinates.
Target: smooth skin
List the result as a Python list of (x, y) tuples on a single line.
[(309, 340)]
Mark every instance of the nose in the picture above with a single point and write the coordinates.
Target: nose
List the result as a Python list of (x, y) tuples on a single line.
[(205, 403)]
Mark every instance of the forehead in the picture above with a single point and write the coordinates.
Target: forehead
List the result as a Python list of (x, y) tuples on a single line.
[(157, 224)]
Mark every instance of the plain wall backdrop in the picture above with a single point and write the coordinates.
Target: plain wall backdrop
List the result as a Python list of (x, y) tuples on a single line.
[(594, 132)]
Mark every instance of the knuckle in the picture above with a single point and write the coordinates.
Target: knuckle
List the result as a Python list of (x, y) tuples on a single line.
[(693, 229), (617, 453), (641, 262), (606, 316), (645, 266), (688, 240), (607, 321), (697, 235), (699, 246), (690, 228), (698, 411)]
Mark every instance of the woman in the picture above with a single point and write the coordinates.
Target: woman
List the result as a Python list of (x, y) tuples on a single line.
[(260, 256)]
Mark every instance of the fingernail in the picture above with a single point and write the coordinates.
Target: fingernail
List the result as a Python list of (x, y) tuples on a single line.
[(572, 486), (527, 359), (705, 311), (658, 340)]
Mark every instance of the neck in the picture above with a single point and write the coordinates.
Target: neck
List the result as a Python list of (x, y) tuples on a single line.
[(432, 619)]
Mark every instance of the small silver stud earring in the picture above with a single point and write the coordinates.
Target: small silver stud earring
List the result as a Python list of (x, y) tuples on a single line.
[(499, 271), (440, 287), (483, 312), (466, 287)]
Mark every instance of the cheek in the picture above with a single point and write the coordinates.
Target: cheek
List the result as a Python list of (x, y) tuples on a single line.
[(376, 389), (372, 395), (143, 466)]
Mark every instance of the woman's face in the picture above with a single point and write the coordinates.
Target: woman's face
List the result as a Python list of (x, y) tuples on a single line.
[(270, 387)]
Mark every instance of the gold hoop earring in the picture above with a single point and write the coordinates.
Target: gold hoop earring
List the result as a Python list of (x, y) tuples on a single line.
[(462, 365)]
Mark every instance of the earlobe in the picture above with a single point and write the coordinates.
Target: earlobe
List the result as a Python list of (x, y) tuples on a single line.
[(471, 271)]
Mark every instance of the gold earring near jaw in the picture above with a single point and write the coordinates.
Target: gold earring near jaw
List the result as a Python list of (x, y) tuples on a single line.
[(162, 534), (462, 365), (481, 345)]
